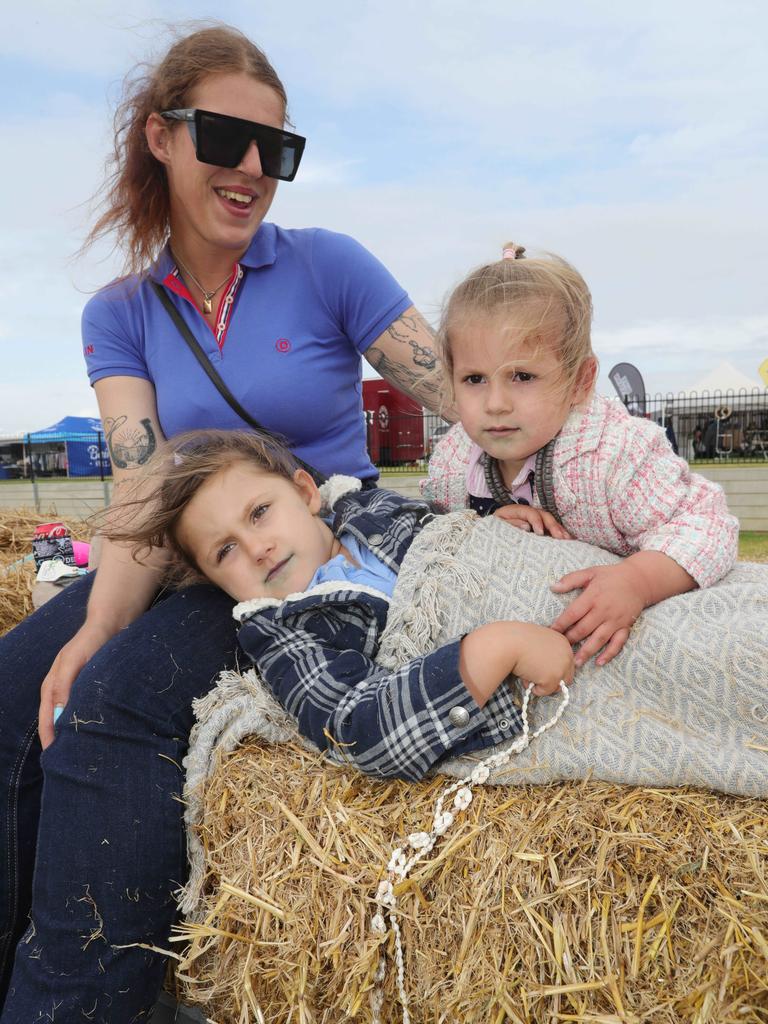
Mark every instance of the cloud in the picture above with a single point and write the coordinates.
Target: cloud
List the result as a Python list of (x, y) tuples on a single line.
[(631, 140), (29, 405), (675, 285), (688, 349), (692, 142), (91, 37), (318, 172)]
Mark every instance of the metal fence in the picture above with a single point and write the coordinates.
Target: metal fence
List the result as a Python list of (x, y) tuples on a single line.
[(713, 426), (710, 427), (716, 427)]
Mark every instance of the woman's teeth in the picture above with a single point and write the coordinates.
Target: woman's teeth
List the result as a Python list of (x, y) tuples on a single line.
[(238, 197)]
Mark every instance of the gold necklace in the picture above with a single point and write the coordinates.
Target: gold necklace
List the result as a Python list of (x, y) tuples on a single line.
[(207, 296)]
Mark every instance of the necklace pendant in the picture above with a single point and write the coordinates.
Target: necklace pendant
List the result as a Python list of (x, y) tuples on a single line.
[(207, 306)]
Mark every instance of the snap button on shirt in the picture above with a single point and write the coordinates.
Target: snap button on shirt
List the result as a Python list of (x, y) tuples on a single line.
[(375, 539), (458, 717)]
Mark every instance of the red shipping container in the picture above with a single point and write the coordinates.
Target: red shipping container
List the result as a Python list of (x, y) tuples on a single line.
[(395, 424)]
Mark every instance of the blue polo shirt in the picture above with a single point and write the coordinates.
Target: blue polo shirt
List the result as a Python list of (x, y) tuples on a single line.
[(300, 309)]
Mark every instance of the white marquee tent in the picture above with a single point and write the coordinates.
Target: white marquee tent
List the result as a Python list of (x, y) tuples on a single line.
[(723, 378)]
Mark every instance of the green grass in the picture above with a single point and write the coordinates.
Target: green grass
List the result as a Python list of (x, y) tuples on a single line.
[(753, 546), (388, 474)]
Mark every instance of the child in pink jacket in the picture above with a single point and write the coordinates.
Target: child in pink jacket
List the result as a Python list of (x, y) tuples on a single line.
[(538, 448)]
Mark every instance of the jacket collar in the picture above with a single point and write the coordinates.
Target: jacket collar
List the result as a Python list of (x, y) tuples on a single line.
[(323, 593), (335, 488), (582, 431)]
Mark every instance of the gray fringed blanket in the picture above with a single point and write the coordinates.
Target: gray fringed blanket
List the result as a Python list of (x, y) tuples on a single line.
[(685, 703)]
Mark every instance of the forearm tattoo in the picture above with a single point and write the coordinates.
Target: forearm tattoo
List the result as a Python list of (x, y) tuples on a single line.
[(404, 329), (426, 387), (418, 372), (129, 446)]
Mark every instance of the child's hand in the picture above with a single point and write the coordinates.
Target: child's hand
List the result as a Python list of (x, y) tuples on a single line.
[(545, 658), (535, 654), (535, 520), (603, 614)]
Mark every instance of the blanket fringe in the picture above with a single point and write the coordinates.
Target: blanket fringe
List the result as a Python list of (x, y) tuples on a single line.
[(420, 623)]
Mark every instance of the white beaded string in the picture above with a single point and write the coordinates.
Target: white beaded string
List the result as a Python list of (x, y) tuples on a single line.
[(422, 843)]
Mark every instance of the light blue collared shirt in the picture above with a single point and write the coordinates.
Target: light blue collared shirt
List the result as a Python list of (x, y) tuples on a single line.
[(369, 572)]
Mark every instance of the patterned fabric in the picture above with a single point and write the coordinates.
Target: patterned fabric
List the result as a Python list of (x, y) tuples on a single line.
[(684, 703), (316, 651), (618, 485)]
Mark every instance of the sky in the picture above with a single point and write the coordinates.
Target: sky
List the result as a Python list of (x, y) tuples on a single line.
[(630, 139)]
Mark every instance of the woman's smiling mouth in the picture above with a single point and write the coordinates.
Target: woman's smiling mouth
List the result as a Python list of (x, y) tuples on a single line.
[(244, 198), (236, 201)]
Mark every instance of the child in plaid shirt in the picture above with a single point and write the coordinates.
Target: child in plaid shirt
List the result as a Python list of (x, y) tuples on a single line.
[(313, 597)]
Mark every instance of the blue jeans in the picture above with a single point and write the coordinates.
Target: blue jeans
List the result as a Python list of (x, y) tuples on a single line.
[(92, 843)]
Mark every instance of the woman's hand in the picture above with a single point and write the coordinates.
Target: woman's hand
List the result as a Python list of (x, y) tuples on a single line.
[(602, 615), (64, 670), (535, 520)]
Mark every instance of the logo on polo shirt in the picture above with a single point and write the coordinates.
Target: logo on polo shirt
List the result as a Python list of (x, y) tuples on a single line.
[(283, 345), (88, 350)]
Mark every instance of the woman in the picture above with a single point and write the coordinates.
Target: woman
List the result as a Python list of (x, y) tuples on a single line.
[(283, 316)]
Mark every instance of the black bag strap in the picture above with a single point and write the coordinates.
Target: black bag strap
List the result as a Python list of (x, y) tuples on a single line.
[(196, 349)]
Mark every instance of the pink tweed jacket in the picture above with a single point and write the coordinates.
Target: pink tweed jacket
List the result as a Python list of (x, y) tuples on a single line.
[(619, 485)]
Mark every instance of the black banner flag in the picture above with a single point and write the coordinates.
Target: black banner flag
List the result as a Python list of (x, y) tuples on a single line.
[(629, 385)]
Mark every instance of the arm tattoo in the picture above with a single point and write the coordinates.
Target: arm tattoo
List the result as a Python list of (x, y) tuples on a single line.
[(403, 329), (129, 447), (426, 388)]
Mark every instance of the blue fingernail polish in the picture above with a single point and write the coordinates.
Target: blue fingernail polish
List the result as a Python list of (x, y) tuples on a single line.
[(57, 712)]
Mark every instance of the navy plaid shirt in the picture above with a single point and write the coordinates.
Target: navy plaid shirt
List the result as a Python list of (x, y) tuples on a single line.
[(317, 651)]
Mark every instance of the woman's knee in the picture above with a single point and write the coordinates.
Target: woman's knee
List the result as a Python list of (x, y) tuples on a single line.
[(147, 676)]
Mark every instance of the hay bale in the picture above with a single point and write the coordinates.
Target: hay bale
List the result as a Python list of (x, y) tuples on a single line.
[(570, 902), (17, 526), (15, 593)]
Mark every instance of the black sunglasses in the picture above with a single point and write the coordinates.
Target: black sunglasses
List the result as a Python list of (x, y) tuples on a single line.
[(223, 140)]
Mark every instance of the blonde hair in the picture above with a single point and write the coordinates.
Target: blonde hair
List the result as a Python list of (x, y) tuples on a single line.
[(544, 297), (172, 478)]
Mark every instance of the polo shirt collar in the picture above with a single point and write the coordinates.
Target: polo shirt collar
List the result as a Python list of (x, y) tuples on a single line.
[(262, 252), (163, 265)]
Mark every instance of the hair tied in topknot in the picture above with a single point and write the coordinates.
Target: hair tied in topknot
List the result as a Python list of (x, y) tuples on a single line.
[(512, 251)]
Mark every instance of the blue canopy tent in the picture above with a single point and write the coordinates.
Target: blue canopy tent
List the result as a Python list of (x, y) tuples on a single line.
[(84, 445)]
